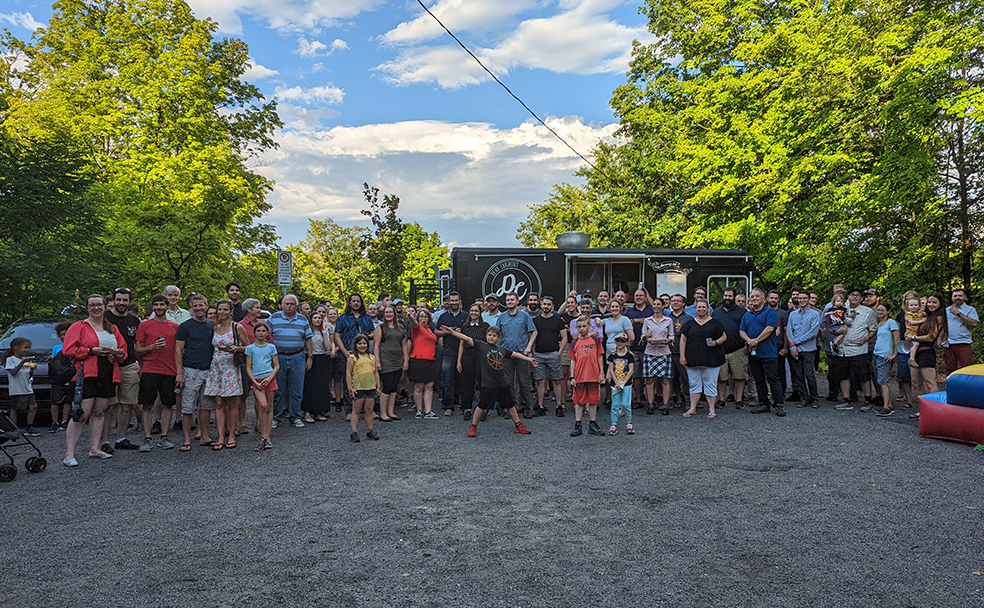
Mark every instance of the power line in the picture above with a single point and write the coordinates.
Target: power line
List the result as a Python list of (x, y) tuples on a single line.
[(495, 78)]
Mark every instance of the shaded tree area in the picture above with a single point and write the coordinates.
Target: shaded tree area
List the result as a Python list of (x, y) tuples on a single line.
[(162, 131), (835, 141)]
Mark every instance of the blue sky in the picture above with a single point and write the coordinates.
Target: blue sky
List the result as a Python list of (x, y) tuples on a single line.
[(374, 91)]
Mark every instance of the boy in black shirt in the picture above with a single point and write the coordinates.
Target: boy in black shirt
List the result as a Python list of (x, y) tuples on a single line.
[(495, 385)]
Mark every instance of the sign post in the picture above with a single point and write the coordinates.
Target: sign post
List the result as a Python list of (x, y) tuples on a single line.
[(285, 269)]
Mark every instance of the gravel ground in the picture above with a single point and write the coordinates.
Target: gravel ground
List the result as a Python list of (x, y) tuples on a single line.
[(821, 507)]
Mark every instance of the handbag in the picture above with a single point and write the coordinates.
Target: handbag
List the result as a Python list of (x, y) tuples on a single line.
[(60, 369), (238, 358)]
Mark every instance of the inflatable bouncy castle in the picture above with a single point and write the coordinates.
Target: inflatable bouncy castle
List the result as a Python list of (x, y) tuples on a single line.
[(956, 414)]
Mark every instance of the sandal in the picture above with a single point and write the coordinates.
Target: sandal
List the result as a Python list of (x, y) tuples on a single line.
[(688, 414), (217, 446), (321, 418), (186, 447), (206, 444), (916, 415), (712, 415), (230, 445)]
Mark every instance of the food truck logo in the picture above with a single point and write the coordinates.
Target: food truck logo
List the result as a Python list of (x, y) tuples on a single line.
[(511, 275)]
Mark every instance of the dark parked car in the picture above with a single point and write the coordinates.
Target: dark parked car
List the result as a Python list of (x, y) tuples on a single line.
[(41, 333)]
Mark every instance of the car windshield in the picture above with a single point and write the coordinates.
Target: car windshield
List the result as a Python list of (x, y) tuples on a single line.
[(41, 334)]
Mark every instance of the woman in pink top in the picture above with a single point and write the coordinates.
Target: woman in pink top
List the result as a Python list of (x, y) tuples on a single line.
[(657, 332)]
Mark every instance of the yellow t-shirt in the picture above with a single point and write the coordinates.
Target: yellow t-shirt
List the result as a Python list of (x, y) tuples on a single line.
[(364, 373)]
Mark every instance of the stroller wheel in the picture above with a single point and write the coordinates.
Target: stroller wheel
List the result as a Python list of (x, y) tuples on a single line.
[(8, 472), (36, 464)]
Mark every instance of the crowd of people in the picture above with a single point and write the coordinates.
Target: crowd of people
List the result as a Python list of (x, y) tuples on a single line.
[(305, 362)]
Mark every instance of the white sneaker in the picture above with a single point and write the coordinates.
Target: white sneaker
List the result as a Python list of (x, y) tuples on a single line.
[(274, 424), (70, 462), (299, 423)]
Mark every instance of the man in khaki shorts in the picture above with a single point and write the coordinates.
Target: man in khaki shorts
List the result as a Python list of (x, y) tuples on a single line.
[(734, 372), (123, 407)]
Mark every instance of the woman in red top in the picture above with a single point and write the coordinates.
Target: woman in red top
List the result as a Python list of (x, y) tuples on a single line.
[(96, 347), (422, 367)]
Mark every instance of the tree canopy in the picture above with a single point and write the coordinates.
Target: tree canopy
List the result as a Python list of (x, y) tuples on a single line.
[(835, 141), (158, 110)]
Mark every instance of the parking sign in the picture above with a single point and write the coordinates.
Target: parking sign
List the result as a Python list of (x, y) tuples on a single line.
[(285, 269)]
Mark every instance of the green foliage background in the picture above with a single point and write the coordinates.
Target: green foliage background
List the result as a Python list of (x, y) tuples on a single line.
[(838, 142), (127, 137)]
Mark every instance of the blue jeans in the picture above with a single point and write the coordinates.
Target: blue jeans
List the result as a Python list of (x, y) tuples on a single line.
[(622, 402), (449, 369), (290, 378)]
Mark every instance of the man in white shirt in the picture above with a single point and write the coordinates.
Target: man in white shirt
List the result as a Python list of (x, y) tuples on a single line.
[(961, 319)]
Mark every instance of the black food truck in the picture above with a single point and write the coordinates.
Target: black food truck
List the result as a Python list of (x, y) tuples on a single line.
[(478, 271)]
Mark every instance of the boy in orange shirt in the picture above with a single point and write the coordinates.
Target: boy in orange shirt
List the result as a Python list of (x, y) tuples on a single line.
[(587, 362)]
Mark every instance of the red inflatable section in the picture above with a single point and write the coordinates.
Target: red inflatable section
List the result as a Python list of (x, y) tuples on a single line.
[(938, 420)]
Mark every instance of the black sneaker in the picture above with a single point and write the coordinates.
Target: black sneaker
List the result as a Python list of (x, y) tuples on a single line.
[(780, 410), (730, 399), (30, 432), (107, 447), (55, 427), (577, 430), (527, 414), (844, 406), (762, 409), (867, 407), (354, 438), (833, 397), (372, 435), (485, 416), (155, 429), (63, 426), (794, 397), (814, 404), (885, 412), (125, 444), (740, 405), (665, 410), (594, 429), (560, 412), (539, 411), (650, 410)]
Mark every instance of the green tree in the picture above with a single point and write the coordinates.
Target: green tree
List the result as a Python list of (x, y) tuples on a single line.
[(50, 236), (168, 127), (331, 262), (811, 134)]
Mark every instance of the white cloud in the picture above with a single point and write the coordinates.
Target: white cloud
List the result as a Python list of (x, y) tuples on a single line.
[(457, 15), (471, 182), (325, 94), (301, 118), (581, 39), (24, 20), (256, 71), (284, 15), (317, 48), (318, 67)]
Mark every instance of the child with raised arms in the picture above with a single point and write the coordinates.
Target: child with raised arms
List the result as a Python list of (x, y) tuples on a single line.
[(495, 384), (262, 366), (587, 356), (363, 383)]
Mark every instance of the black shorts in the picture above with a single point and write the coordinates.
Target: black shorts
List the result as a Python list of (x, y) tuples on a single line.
[(22, 403), (390, 381), (488, 396), (423, 371), (153, 386), (926, 357), (101, 386), (62, 394), (339, 366)]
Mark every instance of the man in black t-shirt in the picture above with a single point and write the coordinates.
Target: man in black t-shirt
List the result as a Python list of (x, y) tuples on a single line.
[(551, 338), (121, 409), (495, 381), (453, 317)]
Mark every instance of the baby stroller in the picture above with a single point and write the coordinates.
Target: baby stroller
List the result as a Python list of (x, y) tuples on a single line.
[(13, 437)]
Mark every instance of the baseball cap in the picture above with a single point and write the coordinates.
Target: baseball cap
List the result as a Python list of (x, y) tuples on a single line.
[(492, 296), (621, 337), (870, 292), (396, 301)]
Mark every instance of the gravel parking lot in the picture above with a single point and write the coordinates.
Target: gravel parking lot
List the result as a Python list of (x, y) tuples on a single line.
[(819, 508)]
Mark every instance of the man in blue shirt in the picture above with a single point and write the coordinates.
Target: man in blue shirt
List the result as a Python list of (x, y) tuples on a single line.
[(518, 335), (801, 335), (292, 336), (758, 330), (354, 321)]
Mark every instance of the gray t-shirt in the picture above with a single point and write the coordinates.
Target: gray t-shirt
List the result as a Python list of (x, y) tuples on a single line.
[(613, 328)]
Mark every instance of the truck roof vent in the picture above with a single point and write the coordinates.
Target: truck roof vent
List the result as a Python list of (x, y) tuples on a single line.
[(573, 240)]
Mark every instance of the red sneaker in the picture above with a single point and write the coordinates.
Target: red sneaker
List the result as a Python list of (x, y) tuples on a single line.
[(473, 431), (521, 429)]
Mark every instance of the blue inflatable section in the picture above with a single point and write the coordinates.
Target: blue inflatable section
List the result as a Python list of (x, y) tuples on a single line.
[(939, 397), (965, 387)]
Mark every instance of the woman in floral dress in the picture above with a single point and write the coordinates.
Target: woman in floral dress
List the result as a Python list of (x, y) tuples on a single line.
[(224, 381)]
